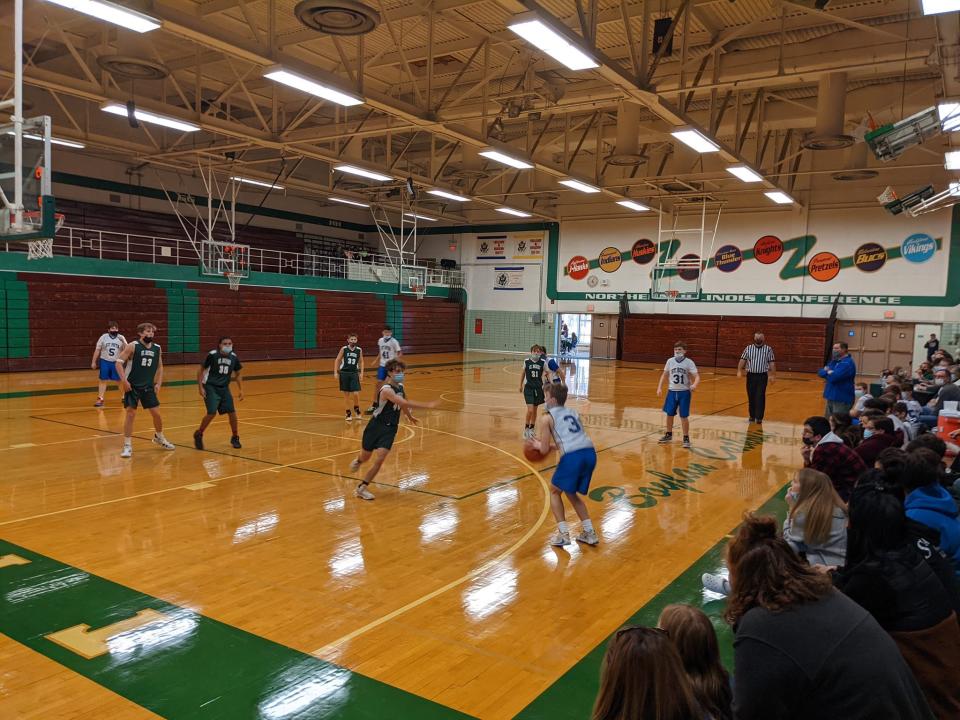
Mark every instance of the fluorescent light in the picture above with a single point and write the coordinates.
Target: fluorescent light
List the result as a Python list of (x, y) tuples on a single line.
[(369, 174), (130, 19), (781, 198), (745, 173), (935, 7), (448, 196), (696, 140), (258, 183), (420, 217), (500, 157), (952, 160), (633, 205), (949, 113), (312, 87), (538, 34), (581, 186), (954, 188), (511, 211), (53, 140), (345, 201), (149, 117)]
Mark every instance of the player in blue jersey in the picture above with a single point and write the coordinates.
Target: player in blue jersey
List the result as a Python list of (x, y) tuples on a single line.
[(561, 426)]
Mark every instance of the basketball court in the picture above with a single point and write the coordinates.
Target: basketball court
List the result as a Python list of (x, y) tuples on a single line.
[(476, 176)]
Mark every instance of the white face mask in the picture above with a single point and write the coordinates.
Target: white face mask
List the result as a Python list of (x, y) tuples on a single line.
[(227, 349), (678, 355)]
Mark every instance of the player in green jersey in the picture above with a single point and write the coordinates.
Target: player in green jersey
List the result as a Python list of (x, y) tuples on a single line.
[(216, 371), (348, 369), (381, 431), (140, 366), (531, 385)]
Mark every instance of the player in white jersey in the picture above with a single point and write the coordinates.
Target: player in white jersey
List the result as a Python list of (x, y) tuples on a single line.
[(562, 427), (389, 350), (105, 355), (681, 372)]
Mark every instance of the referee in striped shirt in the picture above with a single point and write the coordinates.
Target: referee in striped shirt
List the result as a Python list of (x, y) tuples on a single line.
[(757, 359)]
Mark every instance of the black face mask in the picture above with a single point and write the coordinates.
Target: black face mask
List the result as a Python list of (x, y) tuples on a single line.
[(809, 441), (758, 343), (146, 340), (113, 333)]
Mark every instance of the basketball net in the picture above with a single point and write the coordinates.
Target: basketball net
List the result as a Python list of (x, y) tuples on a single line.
[(419, 290), (233, 280)]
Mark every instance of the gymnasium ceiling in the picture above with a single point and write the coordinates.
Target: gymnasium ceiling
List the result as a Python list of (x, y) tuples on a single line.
[(443, 79)]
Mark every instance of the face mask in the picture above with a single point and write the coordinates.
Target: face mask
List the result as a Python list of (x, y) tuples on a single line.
[(758, 343), (535, 357), (808, 440), (146, 339), (226, 349), (387, 337), (905, 396), (858, 393), (836, 354), (398, 377), (868, 433), (939, 381), (678, 355), (792, 495), (352, 343), (113, 333)]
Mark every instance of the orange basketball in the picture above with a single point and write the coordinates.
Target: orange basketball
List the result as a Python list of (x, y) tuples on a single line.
[(531, 453)]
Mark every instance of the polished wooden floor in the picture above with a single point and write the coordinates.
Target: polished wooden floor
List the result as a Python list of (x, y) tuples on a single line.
[(444, 586)]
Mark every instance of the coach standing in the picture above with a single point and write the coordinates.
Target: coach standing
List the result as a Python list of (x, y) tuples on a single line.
[(757, 359), (839, 375)]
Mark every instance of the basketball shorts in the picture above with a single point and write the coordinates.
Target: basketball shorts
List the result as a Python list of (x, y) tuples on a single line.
[(349, 382), (376, 435), (381, 373), (108, 370), (575, 470), (143, 395), (677, 400), (533, 394), (218, 399)]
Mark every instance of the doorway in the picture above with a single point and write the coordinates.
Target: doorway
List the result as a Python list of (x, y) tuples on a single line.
[(604, 341), (575, 334), (877, 346)]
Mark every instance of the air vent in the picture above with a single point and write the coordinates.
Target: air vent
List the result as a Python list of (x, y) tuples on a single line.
[(114, 198), (132, 68), (854, 175), (626, 160), (337, 17)]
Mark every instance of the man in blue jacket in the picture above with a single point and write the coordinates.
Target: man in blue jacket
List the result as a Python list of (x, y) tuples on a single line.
[(839, 374)]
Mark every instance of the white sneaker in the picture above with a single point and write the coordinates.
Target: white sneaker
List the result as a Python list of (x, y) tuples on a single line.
[(560, 539), (588, 537), (349, 417), (716, 583), (354, 466), (127, 451), (363, 493), (160, 440)]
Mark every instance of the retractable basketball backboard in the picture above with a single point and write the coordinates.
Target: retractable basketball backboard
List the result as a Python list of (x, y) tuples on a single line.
[(413, 281), (34, 217)]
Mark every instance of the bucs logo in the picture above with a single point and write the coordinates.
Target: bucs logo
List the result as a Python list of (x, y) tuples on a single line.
[(484, 247)]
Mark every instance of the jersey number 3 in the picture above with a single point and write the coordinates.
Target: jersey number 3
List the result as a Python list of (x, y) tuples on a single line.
[(574, 425)]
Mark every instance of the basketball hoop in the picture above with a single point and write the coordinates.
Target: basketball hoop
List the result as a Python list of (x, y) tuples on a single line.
[(233, 279), (419, 290), (34, 219), (40, 249), (672, 295)]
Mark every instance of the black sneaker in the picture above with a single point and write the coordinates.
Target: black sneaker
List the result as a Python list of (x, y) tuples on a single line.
[(686, 442), (198, 440), (235, 442), (751, 421), (667, 438)]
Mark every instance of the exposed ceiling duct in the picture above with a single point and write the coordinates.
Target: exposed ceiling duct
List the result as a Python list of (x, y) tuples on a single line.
[(831, 100), (628, 137), (337, 17), (855, 165), (128, 63)]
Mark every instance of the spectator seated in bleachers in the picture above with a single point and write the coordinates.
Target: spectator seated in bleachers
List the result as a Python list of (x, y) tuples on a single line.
[(928, 502), (825, 451), (816, 523)]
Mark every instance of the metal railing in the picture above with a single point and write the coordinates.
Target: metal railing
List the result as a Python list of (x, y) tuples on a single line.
[(108, 245)]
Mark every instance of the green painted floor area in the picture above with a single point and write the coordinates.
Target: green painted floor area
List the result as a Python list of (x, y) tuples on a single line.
[(183, 665), (571, 697)]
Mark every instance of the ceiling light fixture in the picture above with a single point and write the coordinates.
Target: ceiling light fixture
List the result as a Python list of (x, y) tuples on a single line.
[(369, 174), (696, 140), (312, 87), (505, 159), (781, 198), (746, 174), (630, 204), (258, 183), (952, 160), (149, 117), (516, 213), (347, 201), (111, 13), (935, 7), (536, 32), (420, 217), (448, 196), (581, 186), (949, 113), (53, 140)]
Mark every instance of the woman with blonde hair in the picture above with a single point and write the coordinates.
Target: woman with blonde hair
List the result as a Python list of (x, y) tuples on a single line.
[(816, 526), (643, 679), (696, 640)]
